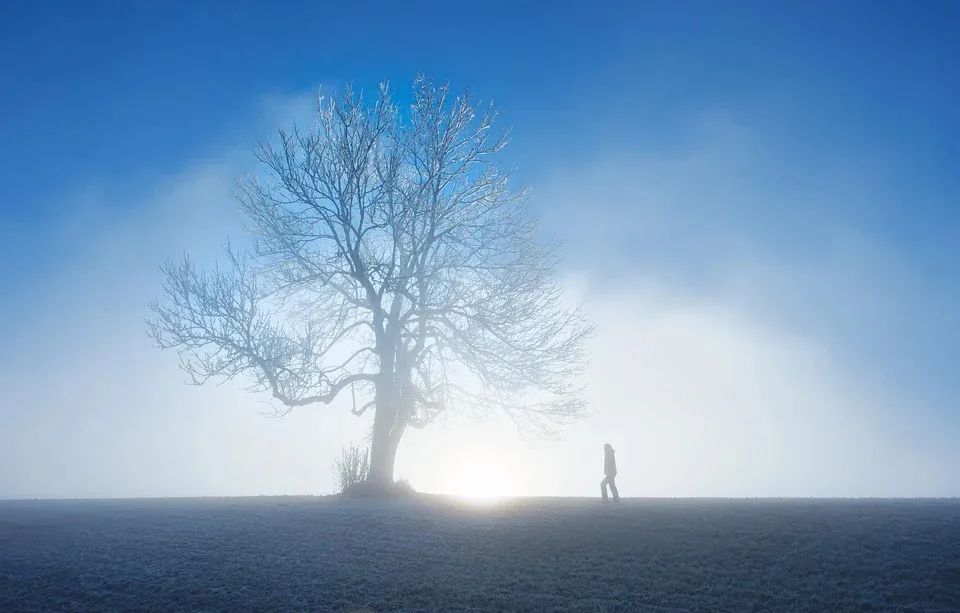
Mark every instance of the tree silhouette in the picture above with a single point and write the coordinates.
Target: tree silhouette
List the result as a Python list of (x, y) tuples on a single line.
[(390, 257)]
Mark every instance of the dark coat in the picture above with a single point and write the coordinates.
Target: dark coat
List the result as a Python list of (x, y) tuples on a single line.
[(609, 463)]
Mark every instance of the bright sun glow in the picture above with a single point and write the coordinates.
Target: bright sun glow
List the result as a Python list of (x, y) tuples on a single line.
[(480, 477)]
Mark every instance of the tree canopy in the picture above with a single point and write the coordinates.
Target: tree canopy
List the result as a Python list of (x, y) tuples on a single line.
[(391, 256)]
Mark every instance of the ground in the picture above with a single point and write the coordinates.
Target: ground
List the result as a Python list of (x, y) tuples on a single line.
[(434, 553)]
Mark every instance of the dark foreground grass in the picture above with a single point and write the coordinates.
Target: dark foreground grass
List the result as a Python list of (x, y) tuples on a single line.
[(430, 553)]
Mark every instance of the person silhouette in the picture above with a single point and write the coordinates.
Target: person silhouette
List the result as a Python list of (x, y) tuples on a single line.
[(610, 473)]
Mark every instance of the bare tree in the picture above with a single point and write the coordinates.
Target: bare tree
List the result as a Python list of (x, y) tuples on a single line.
[(391, 257)]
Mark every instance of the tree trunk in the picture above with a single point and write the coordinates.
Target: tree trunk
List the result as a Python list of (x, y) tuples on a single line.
[(385, 438), (388, 428), (382, 456), (389, 418)]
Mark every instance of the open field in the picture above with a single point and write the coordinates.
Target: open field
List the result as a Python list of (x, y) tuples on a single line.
[(532, 554)]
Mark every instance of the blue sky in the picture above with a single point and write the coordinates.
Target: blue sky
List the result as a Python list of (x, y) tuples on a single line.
[(782, 176)]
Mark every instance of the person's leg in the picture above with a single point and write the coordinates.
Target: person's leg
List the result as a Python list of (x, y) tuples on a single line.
[(603, 488), (613, 488)]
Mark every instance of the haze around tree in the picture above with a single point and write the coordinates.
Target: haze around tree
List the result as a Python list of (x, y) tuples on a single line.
[(392, 260)]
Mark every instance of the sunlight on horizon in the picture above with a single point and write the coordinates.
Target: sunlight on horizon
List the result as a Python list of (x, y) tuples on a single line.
[(478, 475)]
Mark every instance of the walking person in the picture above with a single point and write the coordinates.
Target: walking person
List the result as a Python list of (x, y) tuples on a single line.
[(610, 473)]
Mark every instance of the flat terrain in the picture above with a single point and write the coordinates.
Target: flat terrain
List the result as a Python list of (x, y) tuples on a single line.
[(530, 554)]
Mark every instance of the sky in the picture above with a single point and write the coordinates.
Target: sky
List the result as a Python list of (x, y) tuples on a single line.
[(758, 204)]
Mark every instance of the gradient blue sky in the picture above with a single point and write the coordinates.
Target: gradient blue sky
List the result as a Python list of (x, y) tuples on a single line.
[(769, 187)]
